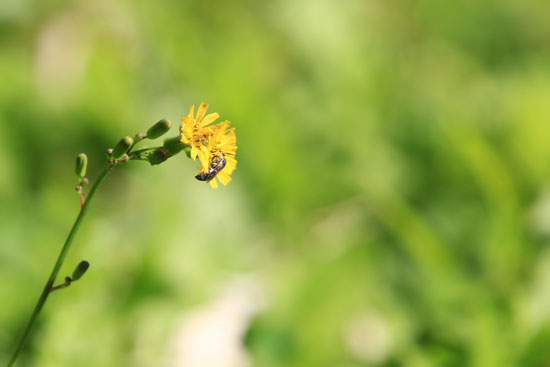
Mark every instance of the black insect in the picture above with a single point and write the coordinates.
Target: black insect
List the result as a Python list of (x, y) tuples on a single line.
[(217, 163)]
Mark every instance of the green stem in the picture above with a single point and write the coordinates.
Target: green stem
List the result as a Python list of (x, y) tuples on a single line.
[(137, 154), (47, 288), (142, 150)]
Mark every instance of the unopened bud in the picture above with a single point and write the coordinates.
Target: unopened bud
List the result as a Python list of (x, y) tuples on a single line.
[(173, 145), (122, 147), (159, 129), (139, 137), (80, 270), (81, 164), (158, 156)]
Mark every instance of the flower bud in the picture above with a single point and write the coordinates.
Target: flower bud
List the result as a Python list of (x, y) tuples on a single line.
[(158, 156), (159, 129), (122, 147), (81, 164), (80, 270), (173, 145)]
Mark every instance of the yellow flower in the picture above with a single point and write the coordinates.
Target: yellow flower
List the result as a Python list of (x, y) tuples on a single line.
[(215, 145), (194, 131), (221, 146)]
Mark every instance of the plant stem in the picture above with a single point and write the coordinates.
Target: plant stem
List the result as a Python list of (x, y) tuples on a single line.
[(137, 154), (47, 288), (143, 150)]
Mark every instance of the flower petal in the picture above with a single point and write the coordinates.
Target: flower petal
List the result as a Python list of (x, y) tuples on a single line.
[(203, 157), (201, 112), (224, 178), (211, 117), (194, 152)]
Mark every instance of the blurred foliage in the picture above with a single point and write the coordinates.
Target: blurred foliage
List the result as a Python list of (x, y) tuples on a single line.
[(392, 198)]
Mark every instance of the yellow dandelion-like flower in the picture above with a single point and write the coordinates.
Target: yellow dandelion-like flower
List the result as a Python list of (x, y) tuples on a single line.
[(194, 131), (221, 149)]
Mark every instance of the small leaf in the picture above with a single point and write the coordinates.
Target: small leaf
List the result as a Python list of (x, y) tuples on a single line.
[(80, 270)]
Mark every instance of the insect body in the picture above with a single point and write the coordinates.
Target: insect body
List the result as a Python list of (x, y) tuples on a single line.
[(217, 163)]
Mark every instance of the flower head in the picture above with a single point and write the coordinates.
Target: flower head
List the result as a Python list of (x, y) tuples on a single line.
[(215, 145), (194, 131), (221, 148)]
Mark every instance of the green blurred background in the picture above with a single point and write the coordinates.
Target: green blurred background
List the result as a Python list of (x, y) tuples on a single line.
[(391, 204)]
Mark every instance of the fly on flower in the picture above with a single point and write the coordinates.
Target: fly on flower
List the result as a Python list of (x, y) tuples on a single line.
[(217, 163), (214, 145)]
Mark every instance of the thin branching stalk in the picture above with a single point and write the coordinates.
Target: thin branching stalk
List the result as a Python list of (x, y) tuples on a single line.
[(215, 164), (60, 259)]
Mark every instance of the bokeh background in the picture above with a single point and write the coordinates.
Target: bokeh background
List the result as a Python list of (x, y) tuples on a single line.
[(391, 205)]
